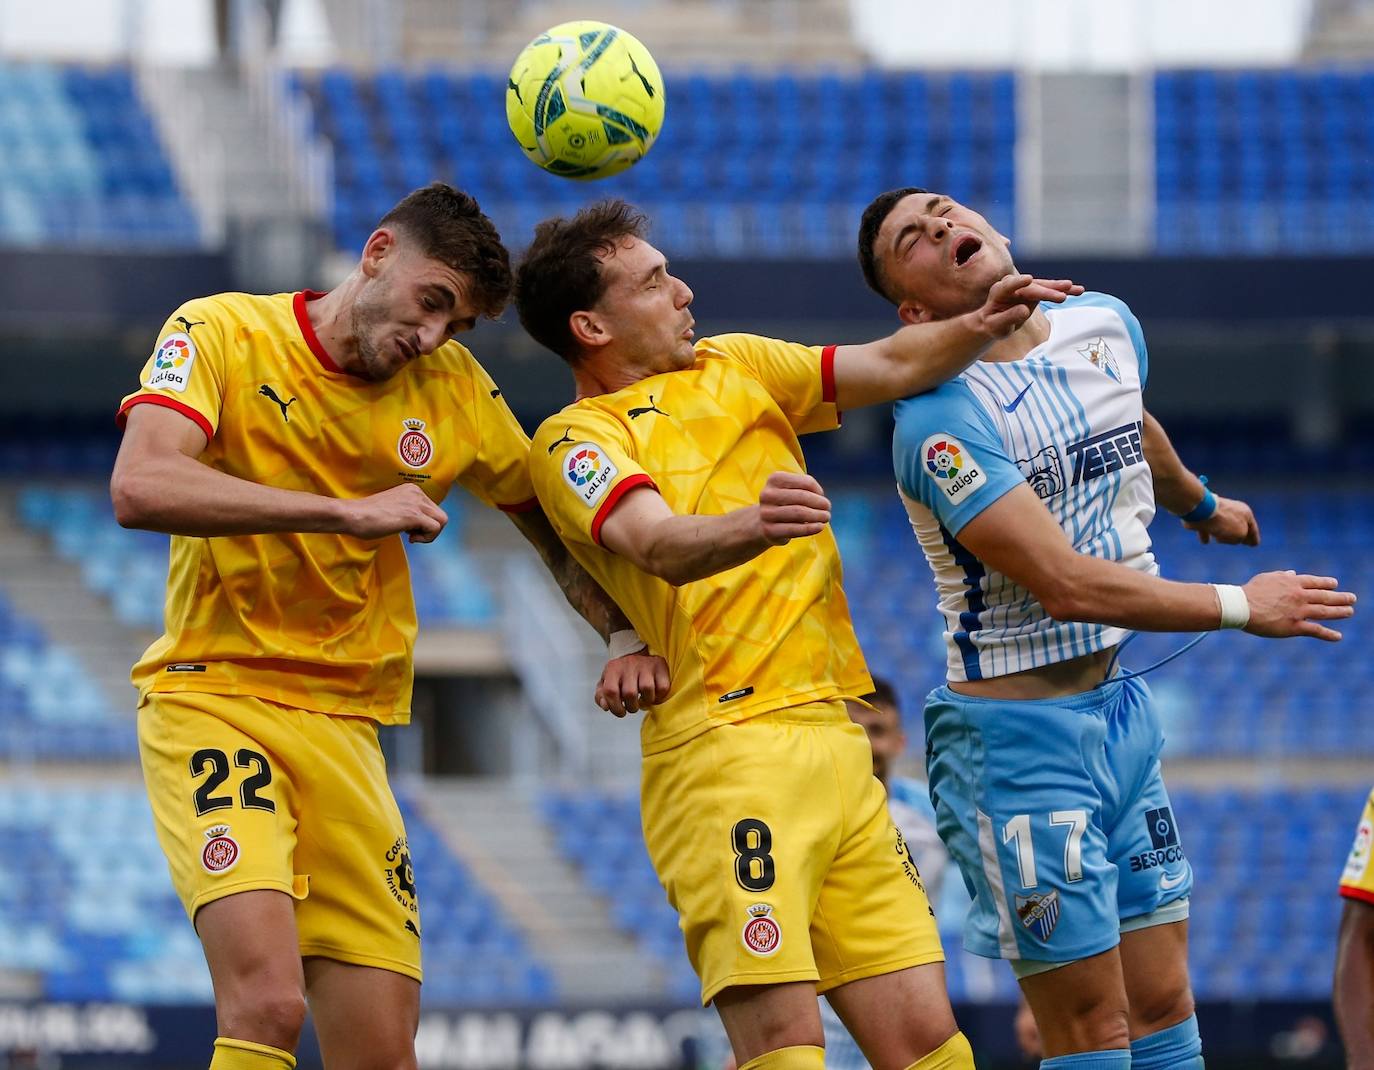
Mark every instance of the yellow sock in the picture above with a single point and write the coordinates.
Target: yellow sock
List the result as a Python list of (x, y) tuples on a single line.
[(802, 1057), (953, 1054), (245, 1055)]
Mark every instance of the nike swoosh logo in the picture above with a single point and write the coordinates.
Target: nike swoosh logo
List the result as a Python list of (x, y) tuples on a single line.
[(1168, 883), (1017, 400)]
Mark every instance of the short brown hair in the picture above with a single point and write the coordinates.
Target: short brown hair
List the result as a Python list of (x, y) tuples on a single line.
[(561, 272), (869, 226), (447, 225)]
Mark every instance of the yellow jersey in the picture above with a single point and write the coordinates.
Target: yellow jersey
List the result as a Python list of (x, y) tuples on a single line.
[(770, 633), (314, 621), (1357, 879)]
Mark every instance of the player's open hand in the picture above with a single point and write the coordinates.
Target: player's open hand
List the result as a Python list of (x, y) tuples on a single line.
[(1013, 298), (404, 508), (792, 506), (633, 682), (1285, 604), (1233, 523)]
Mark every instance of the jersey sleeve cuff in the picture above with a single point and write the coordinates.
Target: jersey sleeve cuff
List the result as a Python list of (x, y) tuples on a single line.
[(639, 479), (828, 374), (528, 505), (1350, 891), (194, 415)]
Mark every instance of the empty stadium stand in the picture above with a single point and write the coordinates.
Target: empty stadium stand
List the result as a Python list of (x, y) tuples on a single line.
[(87, 906), (749, 164), (84, 163)]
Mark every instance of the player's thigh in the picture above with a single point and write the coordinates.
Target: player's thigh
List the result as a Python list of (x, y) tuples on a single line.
[(365, 1018), (1018, 789), (741, 824), (872, 915), (250, 946), (223, 801), (363, 903), (1154, 961), (896, 1018), (1080, 1006)]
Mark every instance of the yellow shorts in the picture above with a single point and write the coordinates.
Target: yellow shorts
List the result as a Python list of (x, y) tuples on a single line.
[(773, 841), (247, 794)]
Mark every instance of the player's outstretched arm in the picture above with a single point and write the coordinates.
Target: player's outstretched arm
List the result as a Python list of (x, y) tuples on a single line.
[(921, 356), (630, 680), (1017, 536), (680, 549), (1181, 492), (158, 484), (1353, 994)]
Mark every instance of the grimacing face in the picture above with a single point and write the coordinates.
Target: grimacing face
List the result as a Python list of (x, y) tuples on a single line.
[(885, 734), (939, 258), (646, 311), (408, 307)]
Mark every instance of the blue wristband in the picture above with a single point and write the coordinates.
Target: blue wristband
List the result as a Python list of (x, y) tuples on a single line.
[(1204, 509)]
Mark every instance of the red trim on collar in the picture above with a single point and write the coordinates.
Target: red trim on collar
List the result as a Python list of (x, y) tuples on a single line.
[(312, 340)]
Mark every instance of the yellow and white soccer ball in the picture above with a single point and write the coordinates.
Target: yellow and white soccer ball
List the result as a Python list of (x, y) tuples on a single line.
[(585, 100)]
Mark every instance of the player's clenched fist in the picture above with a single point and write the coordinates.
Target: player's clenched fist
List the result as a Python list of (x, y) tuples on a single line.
[(1013, 298), (405, 508), (1284, 604), (792, 506)]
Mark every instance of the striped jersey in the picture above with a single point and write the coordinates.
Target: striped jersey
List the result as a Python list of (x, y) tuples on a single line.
[(1065, 418)]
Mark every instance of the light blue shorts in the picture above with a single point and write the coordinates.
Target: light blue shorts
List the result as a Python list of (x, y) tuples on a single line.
[(1057, 815)]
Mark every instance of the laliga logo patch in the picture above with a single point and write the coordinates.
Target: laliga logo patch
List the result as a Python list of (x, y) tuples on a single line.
[(221, 851), (762, 935), (1358, 860), (589, 472), (414, 447), (172, 363), (953, 468)]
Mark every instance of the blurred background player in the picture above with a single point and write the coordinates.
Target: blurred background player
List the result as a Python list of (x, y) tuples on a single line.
[(288, 443), (652, 477), (1354, 988), (1030, 481)]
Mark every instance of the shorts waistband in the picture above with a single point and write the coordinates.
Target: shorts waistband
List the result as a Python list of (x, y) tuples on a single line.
[(821, 712), (1104, 692)]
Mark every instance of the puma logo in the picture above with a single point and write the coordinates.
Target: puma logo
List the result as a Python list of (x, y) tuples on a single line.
[(510, 84), (267, 392), (187, 324), (567, 437), (634, 414)]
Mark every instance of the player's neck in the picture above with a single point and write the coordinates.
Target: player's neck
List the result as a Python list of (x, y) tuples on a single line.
[(594, 376), (333, 324), (1034, 332)]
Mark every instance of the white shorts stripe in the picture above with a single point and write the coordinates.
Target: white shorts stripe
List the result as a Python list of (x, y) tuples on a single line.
[(992, 872)]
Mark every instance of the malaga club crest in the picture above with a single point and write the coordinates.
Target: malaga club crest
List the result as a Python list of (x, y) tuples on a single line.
[(1039, 912), (414, 446)]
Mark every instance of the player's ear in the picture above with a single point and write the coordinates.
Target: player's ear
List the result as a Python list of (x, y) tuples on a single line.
[(910, 312), (588, 330), (380, 245)]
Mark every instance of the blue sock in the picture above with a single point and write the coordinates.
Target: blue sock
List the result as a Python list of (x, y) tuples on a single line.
[(1116, 1059), (1177, 1048)]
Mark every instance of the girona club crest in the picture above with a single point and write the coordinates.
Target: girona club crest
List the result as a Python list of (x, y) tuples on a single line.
[(762, 935), (221, 851), (414, 446)]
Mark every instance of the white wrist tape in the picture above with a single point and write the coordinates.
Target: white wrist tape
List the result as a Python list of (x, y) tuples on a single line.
[(1235, 607), (625, 641)]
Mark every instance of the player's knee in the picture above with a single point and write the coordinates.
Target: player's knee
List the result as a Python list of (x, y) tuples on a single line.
[(1154, 1011), (1104, 1027), (269, 1015)]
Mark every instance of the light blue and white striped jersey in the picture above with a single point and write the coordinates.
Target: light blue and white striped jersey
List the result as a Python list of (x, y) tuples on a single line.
[(1066, 419)]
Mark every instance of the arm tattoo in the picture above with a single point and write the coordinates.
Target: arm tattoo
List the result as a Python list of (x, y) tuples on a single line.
[(583, 593)]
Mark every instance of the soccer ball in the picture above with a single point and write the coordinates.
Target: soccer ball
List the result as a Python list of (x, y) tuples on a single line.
[(585, 100)]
